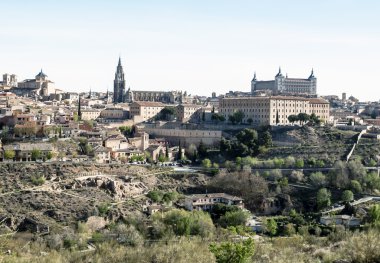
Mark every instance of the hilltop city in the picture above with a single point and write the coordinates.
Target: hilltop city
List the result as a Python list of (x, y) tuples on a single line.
[(273, 173)]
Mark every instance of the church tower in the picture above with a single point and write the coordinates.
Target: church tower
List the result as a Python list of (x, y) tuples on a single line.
[(119, 84)]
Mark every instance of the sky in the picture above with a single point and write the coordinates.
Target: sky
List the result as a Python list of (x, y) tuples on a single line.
[(198, 46)]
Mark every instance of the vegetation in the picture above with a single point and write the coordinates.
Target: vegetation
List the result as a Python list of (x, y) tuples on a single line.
[(229, 252), (37, 180), (9, 154), (237, 117), (247, 143), (323, 198)]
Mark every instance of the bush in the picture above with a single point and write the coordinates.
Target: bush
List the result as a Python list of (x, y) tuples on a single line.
[(234, 218), (37, 180), (103, 209), (299, 163), (289, 229), (347, 196), (296, 176), (317, 179), (128, 235), (323, 198), (355, 186), (229, 252), (363, 247), (184, 223), (156, 196)]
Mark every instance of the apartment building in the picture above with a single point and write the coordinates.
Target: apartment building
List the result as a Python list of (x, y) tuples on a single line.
[(144, 110), (206, 202), (185, 112), (273, 110)]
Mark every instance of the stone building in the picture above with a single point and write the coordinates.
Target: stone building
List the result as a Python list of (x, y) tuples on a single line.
[(285, 85), (274, 110), (9, 81), (186, 112), (119, 84), (184, 136), (171, 97), (120, 94), (144, 110), (39, 86), (89, 114), (206, 202)]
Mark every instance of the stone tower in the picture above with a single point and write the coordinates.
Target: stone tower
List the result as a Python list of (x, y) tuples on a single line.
[(279, 82), (119, 84), (253, 83)]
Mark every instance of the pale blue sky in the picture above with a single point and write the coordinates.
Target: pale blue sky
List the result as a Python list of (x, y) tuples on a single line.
[(199, 46)]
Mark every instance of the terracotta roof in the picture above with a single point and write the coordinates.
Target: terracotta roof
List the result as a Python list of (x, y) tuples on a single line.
[(149, 103), (318, 101)]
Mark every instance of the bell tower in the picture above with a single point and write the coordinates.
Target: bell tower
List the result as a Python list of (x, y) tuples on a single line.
[(119, 84)]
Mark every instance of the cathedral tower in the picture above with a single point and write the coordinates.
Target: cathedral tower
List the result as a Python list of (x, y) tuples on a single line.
[(119, 84)]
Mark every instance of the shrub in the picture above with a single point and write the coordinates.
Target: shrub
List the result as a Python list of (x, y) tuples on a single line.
[(103, 209), (317, 179), (299, 163), (323, 198), (156, 196), (355, 186), (234, 218), (347, 196), (37, 180), (229, 252), (296, 176)]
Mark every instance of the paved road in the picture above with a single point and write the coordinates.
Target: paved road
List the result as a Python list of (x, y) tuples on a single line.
[(357, 202)]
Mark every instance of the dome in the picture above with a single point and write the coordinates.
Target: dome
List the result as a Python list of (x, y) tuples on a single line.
[(41, 75)]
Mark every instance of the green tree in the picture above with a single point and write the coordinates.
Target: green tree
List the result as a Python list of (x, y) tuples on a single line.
[(234, 218), (233, 252), (356, 169), (206, 163), (374, 214), (323, 198), (9, 154), (249, 121), (185, 223), (372, 181), (303, 117), (167, 113), (36, 154), (317, 179), (170, 197), (293, 118), (236, 117), (347, 196), (355, 186), (202, 150), (156, 196), (266, 139), (271, 226), (299, 163), (339, 176)]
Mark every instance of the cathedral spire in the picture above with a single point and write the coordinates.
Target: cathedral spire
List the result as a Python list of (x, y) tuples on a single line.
[(254, 76), (119, 84), (279, 74), (312, 74)]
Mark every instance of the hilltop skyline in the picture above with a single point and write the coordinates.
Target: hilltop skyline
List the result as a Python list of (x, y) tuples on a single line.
[(198, 47)]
